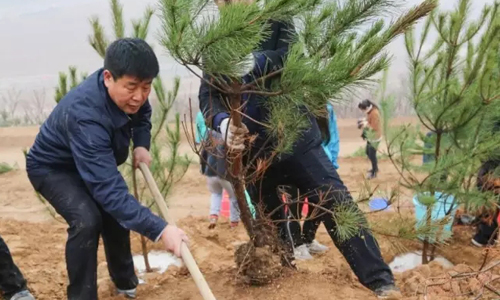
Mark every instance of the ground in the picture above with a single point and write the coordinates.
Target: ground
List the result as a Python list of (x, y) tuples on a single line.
[(37, 242)]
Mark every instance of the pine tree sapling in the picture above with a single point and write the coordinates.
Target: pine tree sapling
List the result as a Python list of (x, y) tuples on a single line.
[(455, 92), (63, 87), (338, 46)]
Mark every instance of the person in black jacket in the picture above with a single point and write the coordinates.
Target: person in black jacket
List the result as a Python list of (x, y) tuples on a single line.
[(307, 167), (73, 164)]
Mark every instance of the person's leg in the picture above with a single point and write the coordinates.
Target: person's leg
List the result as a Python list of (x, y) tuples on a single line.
[(116, 240), (67, 193), (294, 229), (485, 230), (371, 151), (268, 202), (312, 222), (11, 279), (310, 227), (312, 171), (215, 189), (233, 204), (294, 209), (484, 234)]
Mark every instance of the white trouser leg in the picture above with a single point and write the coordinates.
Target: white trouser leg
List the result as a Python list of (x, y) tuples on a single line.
[(215, 188)]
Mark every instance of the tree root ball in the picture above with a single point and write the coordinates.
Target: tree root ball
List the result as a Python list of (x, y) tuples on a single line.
[(257, 265)]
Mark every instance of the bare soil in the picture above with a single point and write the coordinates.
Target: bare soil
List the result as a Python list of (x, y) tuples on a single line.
[(37, 243)]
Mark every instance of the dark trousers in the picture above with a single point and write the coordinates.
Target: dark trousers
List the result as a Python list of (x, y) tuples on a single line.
[(301, 234), (371, 152), (486, 230), (313, 173), (11, 278), (67, 193)]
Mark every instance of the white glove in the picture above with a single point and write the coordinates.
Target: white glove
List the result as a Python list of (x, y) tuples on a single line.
[(233, 136), (246, 65), (362, 123)]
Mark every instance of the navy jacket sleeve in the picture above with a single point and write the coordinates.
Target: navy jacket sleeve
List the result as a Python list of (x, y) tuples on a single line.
[(90, 144), (141, 127), (213, 104), (273, 51)]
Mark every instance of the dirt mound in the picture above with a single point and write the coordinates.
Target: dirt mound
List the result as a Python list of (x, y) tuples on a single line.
[(433, 281), (38, 249), (257, 266)]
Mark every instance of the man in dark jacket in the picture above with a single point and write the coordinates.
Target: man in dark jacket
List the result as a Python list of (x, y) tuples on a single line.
[(308, 167), (73, 164)]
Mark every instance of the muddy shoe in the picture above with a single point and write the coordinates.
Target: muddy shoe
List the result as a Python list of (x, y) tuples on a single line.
[(388, 292), (302, 253), (131, 294), (371, 175), (23, 295), (213, 221), (234, 224), (315, 247)]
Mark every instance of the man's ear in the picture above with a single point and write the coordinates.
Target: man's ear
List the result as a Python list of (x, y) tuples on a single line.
[(108, 78)]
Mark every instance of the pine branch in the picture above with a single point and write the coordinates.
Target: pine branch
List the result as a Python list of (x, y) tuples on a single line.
[(117, 15), (98, 40)]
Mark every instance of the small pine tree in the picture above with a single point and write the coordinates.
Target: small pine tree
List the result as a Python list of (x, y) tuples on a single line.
[(63, 88), (339, 46), (455, 92)]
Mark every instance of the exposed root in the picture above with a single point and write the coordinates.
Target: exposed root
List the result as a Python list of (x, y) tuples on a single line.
[(257, 266)]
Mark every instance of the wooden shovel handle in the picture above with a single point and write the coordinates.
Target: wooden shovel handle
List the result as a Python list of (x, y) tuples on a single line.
[(187, 257)]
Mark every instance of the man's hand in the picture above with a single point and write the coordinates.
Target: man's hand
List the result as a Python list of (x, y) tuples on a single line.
[(172, 238), (235, 137), (141, 154), (362, 123)]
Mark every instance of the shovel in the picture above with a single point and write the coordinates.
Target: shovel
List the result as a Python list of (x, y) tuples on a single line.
[(186, 255)]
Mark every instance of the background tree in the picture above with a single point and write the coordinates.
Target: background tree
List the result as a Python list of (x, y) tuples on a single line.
[(339, 46), (455, 92), (63, 87)]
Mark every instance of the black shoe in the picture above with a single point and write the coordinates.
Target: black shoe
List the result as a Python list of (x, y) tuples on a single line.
[(387, 292), (371, 175)]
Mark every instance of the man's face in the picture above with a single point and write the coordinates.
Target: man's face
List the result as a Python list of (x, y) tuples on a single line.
[(128, 93)]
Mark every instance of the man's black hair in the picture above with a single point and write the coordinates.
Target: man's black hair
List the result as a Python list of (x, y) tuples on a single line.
[(132, 57)]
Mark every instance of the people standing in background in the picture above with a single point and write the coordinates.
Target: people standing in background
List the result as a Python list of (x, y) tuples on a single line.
[(213, 166), (217, 182), (304, 239), (372, 133)]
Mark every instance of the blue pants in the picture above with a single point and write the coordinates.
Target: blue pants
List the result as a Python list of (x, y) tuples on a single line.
[(67, 193)]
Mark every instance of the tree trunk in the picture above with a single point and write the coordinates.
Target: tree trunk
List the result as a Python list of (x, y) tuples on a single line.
[(425, 250), (236, 164)]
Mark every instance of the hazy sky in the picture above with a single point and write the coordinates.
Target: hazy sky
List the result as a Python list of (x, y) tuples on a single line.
[(39, 38)]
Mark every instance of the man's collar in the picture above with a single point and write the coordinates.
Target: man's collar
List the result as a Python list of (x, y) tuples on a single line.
[(119, 117)]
